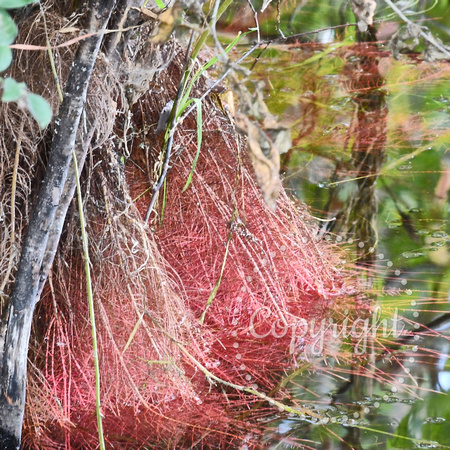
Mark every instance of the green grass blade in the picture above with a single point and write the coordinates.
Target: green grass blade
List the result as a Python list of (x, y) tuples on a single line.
[(199, 140), (213, 294)]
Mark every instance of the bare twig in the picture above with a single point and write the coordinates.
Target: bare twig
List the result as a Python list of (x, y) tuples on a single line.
[(173, 123), (427, 36)]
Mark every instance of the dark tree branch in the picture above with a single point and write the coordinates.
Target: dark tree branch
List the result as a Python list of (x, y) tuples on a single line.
[(31, 276)]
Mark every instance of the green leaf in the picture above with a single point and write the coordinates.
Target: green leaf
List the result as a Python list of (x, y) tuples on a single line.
[(40, 109), (12, 90), (160, 4), (12, 4), (5, 57), (8, 29)]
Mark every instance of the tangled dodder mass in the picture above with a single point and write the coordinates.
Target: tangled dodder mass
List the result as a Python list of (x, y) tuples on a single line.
[(213, 252)]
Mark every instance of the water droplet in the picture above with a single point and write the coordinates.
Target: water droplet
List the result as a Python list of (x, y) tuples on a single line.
[(394, 225), (410, 255), (439, 234), (434, 420)]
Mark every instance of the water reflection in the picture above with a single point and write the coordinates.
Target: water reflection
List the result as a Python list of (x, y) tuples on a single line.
[(366, 136), (375, 169)]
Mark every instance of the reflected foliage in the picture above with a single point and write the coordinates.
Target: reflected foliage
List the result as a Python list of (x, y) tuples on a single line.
[(370, 156)]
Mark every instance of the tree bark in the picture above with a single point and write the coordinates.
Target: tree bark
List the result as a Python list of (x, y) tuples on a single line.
[(43, 231)]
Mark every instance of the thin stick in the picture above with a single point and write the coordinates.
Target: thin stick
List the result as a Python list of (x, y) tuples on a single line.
[(210, 376), (428, 37), (173, 123), (87, 269)]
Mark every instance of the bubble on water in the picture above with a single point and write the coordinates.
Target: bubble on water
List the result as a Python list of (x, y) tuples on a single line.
[(380, 255), (397, 272), (408, 292), (389, 263), (415, 314), (404, 282)]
